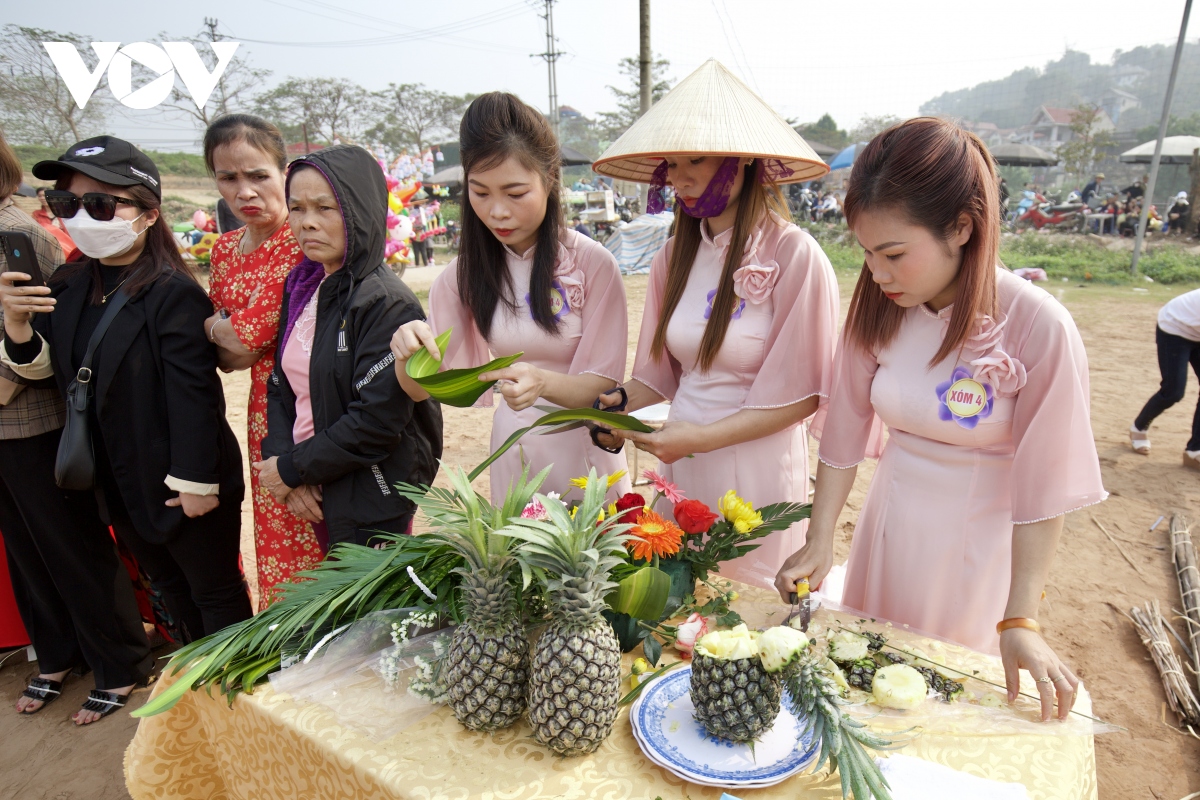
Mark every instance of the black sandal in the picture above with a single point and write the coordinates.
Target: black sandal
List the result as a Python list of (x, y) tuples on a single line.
[(43, 690), (104, 703)]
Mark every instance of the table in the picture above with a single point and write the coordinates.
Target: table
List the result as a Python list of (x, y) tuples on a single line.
[(270, 746), (1099, 219)]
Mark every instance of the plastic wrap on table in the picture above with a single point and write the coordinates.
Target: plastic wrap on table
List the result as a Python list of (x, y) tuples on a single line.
[(983, 708), (364, 677)]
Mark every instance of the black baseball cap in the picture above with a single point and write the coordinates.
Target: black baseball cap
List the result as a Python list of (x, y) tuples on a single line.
[(108, 160)]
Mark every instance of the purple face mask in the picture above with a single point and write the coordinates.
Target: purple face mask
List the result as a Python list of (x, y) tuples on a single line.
[(716, 195)]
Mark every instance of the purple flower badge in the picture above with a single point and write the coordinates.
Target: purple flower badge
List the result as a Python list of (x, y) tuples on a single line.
[(737, 311), (559, 305), (964, 399)]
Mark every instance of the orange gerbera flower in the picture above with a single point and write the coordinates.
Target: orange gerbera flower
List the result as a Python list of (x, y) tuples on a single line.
[(655, 537)]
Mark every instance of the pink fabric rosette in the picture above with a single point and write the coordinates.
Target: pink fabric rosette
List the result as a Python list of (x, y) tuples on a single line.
[(991, 364), (755, 282), (570, 278)]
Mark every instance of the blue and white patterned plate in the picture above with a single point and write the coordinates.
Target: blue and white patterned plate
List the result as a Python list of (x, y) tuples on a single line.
[(663, 722)]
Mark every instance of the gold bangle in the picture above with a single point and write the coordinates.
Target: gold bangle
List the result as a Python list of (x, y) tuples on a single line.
[(1018, 622)]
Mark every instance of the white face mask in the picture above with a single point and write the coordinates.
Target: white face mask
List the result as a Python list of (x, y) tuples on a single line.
[(102, 239)]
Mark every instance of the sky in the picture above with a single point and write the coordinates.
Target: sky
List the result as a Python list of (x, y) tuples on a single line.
[(851, 58)]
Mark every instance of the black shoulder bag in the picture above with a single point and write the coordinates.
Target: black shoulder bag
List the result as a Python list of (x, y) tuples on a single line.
[(75, 467)]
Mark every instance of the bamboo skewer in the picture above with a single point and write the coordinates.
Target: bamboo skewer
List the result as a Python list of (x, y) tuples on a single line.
[(1151, 628), (1117, 545), (1184, 556)]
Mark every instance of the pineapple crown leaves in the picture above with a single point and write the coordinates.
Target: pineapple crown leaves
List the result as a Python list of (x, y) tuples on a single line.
[(816, 697), (582, 546), (468, 523)]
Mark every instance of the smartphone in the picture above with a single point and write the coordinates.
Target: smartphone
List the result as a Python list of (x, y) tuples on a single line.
[(18, 250)]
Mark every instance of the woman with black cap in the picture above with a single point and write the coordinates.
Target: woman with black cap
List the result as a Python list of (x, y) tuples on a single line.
[(71, 589), (340, 431), (167, 467)]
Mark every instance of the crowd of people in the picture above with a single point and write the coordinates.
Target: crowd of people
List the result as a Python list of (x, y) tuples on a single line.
[(980, 377), (1124, 207)]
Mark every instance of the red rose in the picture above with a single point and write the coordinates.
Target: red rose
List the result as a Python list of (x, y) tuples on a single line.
[(694, 516), (631, 504)]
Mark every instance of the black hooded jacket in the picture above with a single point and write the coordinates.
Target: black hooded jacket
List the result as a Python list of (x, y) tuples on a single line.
[(368, 434)]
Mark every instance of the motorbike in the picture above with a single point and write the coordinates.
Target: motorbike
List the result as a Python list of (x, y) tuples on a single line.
[(1043, 213)]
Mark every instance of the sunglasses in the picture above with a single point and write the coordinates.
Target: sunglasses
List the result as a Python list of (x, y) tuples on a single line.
[(99, 206)]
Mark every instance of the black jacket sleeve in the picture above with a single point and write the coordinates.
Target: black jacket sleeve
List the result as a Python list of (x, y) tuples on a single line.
[(281, 414), (193, 390), (378, 412)]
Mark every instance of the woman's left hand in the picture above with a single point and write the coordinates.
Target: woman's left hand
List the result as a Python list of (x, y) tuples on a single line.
[(671, 442), (526, 383), (1023, 649), (194, 505), (268, 478)]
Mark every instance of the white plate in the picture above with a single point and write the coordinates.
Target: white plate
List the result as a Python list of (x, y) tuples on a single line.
[(665, 729)]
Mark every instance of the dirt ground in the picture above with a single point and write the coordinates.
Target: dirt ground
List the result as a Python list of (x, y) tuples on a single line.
[(46, 757)]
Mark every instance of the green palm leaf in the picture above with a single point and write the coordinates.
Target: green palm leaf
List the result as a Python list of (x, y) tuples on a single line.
[(454, 387)]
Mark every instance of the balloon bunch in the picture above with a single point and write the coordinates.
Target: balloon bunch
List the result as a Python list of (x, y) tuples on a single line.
[(411, 215)]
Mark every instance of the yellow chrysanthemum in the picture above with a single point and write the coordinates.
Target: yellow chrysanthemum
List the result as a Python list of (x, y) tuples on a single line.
[(739, 512), (599, 519), (581, 483)]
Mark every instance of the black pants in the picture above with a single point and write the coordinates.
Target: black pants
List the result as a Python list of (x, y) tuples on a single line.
[(199, 571), (72, 590), (420, 254), (1174, 355)]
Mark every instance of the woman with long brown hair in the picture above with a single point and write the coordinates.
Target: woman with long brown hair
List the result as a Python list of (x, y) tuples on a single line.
[(982, 380), (524, 282), (741, 311)]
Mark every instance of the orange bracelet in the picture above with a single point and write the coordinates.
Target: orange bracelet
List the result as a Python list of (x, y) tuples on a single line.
[(1018, 622)]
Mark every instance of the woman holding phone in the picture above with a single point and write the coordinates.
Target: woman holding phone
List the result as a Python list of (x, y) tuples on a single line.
[(167, 466)]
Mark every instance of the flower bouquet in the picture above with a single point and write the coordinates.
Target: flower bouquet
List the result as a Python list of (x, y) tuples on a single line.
[(689, 549)]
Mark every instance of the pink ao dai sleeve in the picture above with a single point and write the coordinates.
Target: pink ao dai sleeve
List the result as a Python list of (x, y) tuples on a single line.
[(661, 375), (846, 424), (1055, 466), (467, 347)]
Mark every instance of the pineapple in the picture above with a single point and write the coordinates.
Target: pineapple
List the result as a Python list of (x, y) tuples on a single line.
[(815, 697), (487, 666), (899, 686), (575, 674), (735, 697)]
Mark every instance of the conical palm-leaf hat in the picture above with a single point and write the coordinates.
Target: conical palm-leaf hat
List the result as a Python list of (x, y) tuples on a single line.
[(712, 112)]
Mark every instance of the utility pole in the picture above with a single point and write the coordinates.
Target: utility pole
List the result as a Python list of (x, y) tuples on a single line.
[(1162, 131), (551, 56), (211, 24), (644, 56)]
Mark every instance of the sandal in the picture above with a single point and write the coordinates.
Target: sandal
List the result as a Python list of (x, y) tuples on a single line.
[(43, 690), (104, 703), (1139, 440)]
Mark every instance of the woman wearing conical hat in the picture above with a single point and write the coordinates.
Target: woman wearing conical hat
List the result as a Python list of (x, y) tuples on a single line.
[(741, 311)]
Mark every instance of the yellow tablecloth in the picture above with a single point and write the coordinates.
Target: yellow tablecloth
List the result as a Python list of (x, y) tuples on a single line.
[(269, 746)]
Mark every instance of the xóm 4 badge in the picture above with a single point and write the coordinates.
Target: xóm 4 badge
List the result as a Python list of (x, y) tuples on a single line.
[(964, 399)]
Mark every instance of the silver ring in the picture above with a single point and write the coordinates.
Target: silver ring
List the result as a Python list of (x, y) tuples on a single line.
[(1061, 678), (1044, 680)]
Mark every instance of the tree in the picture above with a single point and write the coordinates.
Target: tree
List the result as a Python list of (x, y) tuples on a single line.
[(869, 127), (824, 131), (316, 109), (35, 105), (414, 116), (235, 88), (629, 102), (1176, 126), (1080, 154)]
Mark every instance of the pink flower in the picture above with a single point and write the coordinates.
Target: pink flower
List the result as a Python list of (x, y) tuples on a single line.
[(688, 632), (984, 338), (535, 510), (663, 486), (754, 282), (572, 284), (1005, 374)]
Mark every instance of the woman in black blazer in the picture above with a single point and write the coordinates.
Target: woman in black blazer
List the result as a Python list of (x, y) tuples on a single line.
[(168, 468)]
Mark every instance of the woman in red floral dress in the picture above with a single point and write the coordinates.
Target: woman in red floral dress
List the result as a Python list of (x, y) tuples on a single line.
[(249, 265)]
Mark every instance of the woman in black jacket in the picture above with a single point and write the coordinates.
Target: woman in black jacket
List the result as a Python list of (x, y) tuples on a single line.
[(340, 431), (168, 472)]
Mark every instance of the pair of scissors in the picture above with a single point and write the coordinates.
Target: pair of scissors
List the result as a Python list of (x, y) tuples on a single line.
[(594, 430)]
